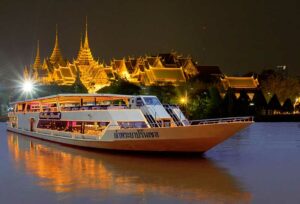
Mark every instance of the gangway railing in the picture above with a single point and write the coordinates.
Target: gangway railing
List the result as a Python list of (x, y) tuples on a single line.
[(151, 121), (170, 111)]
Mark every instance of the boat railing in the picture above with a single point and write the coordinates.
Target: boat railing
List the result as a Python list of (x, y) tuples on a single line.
[(222, 120), (148, 113), (191, 122)]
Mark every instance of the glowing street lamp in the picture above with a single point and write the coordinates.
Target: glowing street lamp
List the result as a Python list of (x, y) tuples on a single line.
[(27, 86), (184, 99)]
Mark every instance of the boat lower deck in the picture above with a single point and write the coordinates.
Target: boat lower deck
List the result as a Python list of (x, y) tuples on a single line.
[(196, 138)]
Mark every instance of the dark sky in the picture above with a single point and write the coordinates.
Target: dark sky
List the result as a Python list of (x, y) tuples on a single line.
[(237, 35)]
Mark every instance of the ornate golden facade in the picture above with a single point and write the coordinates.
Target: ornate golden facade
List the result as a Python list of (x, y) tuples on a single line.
[(148, 70)]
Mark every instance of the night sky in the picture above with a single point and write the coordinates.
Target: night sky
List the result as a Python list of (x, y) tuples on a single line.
[(239, 36)]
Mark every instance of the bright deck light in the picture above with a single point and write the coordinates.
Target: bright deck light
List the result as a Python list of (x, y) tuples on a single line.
[(27, 86)]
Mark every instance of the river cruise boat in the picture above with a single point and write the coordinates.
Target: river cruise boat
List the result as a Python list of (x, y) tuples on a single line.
[(118, 122)]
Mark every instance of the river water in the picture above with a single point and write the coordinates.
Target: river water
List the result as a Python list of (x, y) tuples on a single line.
[(261, 164)]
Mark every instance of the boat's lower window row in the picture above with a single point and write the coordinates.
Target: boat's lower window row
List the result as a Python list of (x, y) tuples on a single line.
[(138, 124), (83, 127)]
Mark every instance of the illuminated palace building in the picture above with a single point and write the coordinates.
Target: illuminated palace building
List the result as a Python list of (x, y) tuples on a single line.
[(147, 70)]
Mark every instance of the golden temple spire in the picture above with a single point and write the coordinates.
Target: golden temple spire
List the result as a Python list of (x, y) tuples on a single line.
[(80, 47), (86, 40), (81, 44), (85, 56), (25, 73), (56, 54), (37, 61), (56, 37)]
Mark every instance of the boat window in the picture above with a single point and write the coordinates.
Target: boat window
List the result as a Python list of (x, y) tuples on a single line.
[(52, 124), (28, 108), (139, 102), (21, 107), (151, 101), (83, 127), (129, 124), (167, 123), (94, 128), (33, 108)]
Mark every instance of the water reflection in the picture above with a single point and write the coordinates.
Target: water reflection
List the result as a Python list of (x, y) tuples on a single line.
[(67, 170)]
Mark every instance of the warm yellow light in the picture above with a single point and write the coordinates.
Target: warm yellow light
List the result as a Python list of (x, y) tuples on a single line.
[(27, 86), (125, 74), (183, 100)]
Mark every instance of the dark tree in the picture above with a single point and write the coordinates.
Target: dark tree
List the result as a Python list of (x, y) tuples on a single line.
[(287, 106), (274, 104), (121, 86), (166, 93), (52, 89), (78, 86), (228, 104), (197, 107), (46, 90), (214, 108), (242, 104), (260, 103)]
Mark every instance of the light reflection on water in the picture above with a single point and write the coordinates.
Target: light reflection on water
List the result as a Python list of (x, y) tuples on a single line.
[(69, 171)]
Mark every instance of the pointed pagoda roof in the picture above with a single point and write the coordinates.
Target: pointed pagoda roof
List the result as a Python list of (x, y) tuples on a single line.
[(86, 40), (56, 54), (80, 46), (26, 73), (85, 56), (37, 61)]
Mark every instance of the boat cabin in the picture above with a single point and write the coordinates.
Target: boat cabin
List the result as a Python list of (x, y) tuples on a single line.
[(93, 113)]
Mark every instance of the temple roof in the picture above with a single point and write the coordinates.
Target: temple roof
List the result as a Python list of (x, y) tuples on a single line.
[(37, 61), (166, 74), (168, 58), (109, 72), (133, 61), (129, 66), (151, 61), (26, 72), (56, 56), (240, 82), (66, 72), (117, 64), (85, 56), (42, 72)]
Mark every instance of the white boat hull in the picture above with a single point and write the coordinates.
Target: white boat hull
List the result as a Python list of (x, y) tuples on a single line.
[(195, 138)]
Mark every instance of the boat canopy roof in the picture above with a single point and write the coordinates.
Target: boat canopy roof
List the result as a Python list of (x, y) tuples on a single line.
[(69, 98)]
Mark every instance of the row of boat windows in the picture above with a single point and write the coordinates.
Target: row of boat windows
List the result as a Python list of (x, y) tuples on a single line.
[(68, 107), (74, 108), (73, 126), (140, 124), (85, 127)]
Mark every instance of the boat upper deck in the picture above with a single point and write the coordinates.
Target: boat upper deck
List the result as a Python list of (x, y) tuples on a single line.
[(69, 98), (73, 102)]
